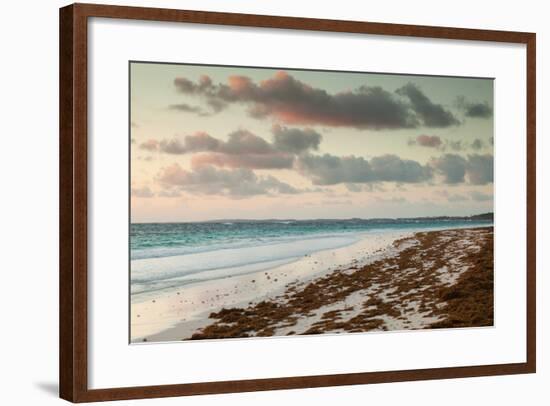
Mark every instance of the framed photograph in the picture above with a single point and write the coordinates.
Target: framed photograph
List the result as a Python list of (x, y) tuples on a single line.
[(255, 202)]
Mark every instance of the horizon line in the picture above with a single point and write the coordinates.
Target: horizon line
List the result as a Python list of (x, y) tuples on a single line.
[(313, 219)]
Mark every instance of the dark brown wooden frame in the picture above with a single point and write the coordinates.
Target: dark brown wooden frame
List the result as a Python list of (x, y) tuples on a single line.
[(73, 362)]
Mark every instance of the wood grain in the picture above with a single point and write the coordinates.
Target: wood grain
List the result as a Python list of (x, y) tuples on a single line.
[(73, 362)]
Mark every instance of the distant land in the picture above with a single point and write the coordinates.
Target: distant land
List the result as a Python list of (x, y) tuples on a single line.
[(489, 216), (476, 217), (482, 216)]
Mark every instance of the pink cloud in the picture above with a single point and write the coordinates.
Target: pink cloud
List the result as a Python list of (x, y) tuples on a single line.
[(431, 141)]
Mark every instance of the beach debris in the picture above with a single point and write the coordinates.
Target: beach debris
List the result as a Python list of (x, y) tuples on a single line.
[(360, 298)]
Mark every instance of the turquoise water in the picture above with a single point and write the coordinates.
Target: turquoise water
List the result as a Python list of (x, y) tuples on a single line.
[(168, 255), (154, 240)]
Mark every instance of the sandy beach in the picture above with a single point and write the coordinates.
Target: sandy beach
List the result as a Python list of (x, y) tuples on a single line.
[(177, 314), (385, 281)]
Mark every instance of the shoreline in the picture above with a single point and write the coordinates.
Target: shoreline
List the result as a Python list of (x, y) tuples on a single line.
[(186, 312), (180, 311)]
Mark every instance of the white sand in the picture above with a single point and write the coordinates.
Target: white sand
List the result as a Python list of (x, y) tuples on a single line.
[(176, 314)]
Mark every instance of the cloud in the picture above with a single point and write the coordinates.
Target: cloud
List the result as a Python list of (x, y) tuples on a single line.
[(430, 141), (292, 101), (454, 198), (481, 110), (474, 109), (369, 187), (354, 187), (145, 158), (481, 197), (480, 169), (477, 144), (197, 142), (330, 170), (251, 161), (239, 142), (336, 202), (170, 193), (460, 145), (244, 149), (455, 168), (391, 200), (144, 192), (149, 145), (432, 115), (245, 142), (455, 145), (187, 86), (212, 181), (452, 167), (188, 109), (295, 140)]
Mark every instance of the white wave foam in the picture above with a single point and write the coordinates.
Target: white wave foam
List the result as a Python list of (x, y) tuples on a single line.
[(146, 274)]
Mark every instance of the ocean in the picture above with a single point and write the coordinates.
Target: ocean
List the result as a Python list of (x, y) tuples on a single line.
[(165, 256)]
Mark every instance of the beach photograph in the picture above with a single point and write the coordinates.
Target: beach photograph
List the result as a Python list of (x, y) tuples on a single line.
[(278, 202)]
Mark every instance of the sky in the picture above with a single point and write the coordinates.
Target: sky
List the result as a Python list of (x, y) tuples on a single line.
[(216, 142)]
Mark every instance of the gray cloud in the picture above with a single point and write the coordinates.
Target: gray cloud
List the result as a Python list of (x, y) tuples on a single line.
[(455, 168), (187, 86), (330, 170), (432, 115), (244, 142), (292, 101), (354, 187), (455, 145), (240, 142), (391, 200), (170, 193), (477, 144), (336, 202), (145, 158), (481, 197), (474, 109), (142, 192), (244, 149), (149, 145), (452, 167), (480, 169), (249, 160), (212, 181), (454, 197), (460, 145), (481, 110), (197, 142), (295, 140), (183, 107)]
